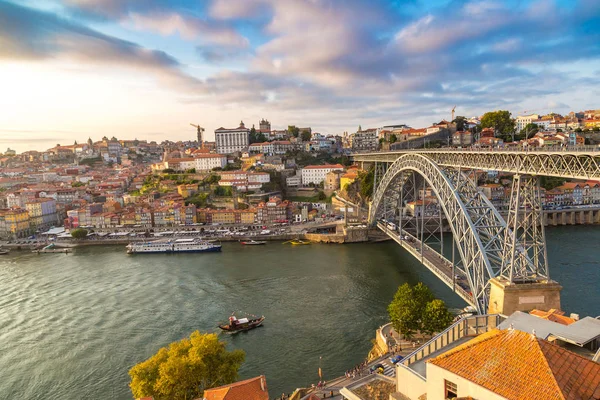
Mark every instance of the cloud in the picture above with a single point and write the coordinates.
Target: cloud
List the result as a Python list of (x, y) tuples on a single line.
[(29, 34)]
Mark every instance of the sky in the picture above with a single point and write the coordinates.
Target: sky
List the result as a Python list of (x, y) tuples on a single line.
[(146, 69)]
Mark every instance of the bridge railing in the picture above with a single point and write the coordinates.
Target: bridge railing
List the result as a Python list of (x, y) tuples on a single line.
[(448, 279), (516, 149)]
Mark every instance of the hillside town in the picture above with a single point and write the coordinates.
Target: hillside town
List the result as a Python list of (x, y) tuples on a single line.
[(258, 176)]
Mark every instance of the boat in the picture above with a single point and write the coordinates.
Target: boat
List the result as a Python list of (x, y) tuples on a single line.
[(253, 242), (4, 252), (297, 242), (193, 245), (52, 248), (242, 324)]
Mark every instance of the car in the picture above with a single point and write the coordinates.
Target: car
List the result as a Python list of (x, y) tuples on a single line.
[(375, 367), (396, 359)]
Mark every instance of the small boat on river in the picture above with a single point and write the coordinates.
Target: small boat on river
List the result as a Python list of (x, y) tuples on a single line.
[(53, 248), (296, 242), (3, 252), (242, 324), (253, 243)]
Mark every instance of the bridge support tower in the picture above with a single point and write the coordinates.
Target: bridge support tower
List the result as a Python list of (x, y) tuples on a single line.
[(524, 282)]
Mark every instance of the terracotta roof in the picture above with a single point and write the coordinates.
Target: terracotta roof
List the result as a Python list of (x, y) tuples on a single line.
[(327, 166), (250, 389), (553, 315), (517, 365)]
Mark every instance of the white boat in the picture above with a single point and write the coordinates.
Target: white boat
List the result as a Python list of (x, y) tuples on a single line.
[(173, 246)]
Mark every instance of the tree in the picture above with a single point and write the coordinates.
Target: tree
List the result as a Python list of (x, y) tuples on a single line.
[(412, 306), (321, 195), (393, 138), (293, 130), (168, 171), (402, 311), (596, 129), (436, 317), (191, 171), (529, 130), (578, 130), (461, 123), (79, 233), (186, 368), (366, 180), (500, 120), (305, 136)]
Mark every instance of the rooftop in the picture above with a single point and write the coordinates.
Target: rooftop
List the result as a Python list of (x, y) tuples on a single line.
[(519, 365), (249, 389)]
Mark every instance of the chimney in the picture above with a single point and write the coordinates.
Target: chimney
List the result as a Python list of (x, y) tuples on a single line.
[(574, 316), (533, 334), (263, 384)]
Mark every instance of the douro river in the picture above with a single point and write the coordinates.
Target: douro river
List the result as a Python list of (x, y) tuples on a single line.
[(72, 325)]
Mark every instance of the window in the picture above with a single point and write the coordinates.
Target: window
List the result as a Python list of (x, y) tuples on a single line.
[(450, 391)]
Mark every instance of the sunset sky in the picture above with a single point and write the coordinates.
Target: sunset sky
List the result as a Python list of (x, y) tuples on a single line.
[(147, 68)]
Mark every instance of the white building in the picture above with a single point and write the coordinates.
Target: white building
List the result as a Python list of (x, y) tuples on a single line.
[(229, 141), (206, 162), (523, 120), (266, 148), (316, 173), (243, 181)]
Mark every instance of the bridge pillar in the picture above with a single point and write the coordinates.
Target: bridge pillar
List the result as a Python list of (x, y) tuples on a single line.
[(524, 282)]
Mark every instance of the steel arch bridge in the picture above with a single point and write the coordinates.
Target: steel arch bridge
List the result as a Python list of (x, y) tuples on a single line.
[(488, 246)]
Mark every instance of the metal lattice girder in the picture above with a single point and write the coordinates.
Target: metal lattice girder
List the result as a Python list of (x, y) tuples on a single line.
[(524, 251), (572, 164), (476, 225)]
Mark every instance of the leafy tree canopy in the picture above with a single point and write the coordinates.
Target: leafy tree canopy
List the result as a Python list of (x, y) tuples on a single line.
[(500, 120), (461, 123), (79, 233), (415, 309), (186, 368), (294, 130), (393, 138), (305, 136)]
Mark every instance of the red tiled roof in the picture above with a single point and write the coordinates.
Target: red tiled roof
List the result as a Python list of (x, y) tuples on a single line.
[(518, 365), (328, 166), (250, 389)]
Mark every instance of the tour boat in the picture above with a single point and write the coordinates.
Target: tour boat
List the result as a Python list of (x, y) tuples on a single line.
[(176, 246), (253, 242), (242, 324)]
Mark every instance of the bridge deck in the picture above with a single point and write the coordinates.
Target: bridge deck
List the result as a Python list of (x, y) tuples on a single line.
[(576, 163), (435, 262)]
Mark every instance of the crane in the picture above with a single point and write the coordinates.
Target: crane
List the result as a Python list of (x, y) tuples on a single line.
[(454, 108), (200, 132)]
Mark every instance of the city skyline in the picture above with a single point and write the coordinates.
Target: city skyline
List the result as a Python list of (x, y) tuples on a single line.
[(74, 68)]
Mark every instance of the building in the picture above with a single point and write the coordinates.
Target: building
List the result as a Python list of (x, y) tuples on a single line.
[(422, 208), (233, 140), (315, 174), (249, 389), (523, 120), (348, 178), (332, 180), (42, 212), (243, 180), (14, 223), (365, 140), (476, 358), (265, 147), (494, 193), (264, 126), (207, 162), (229, 216), (275, 210), (462, 138)]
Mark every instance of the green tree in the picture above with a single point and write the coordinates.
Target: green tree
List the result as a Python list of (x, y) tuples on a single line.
[(305, 136), (393, 138), (79, 233), (186, 368), (596, 129), (436, 317), (501, 121), (294, 130), (321, 195), (461, 123), (191, 171), (408, 307), (529, 131), (578, 130), (168, 171), (366, 181)]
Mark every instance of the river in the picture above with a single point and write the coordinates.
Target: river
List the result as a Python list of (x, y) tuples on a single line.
[(72, 325)]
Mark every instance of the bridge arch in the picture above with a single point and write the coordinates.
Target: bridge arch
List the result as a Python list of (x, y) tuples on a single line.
[(477, 227)]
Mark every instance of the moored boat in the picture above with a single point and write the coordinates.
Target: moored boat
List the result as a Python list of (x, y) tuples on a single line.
[(176, 246), (4, 252), (242, 324), (297, 242), (253, 242)]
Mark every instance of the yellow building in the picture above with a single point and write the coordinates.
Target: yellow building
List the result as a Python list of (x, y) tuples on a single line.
[(186, 191), (14, 222), (229, 216), (348, 178)]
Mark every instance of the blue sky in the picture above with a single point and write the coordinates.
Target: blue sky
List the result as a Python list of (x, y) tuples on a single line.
[(147, 68)]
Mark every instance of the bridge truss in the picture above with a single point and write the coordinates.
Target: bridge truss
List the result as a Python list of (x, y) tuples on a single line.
[(486, 246)]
